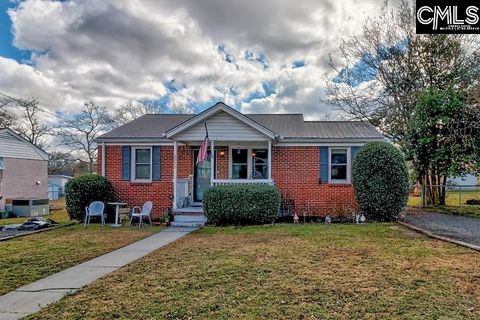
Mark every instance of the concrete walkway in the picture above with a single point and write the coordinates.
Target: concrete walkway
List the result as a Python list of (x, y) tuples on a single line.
[(31, 298)]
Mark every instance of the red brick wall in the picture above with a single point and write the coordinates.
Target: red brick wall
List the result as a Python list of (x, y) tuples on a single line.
[(296, 171), (184, 162), (222, 163), (134, 193)]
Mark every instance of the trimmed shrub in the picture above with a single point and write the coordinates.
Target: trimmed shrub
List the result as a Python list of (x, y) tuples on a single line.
[(81, 191), (241, 204), (380, 181)]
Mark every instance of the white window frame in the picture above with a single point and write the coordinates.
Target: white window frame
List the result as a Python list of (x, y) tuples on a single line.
[(134, 162), (249, 161), (349, 165)]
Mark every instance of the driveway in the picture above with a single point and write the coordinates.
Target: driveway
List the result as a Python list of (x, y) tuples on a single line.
[(457, 227)]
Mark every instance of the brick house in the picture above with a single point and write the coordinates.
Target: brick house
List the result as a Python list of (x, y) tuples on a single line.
[(153, 158)]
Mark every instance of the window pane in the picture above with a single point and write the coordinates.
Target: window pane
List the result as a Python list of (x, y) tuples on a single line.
[(142, 171), (339, 172), (239, 156), (339, 156), (239, 171), (260, 172), (142, 155), (260, 154)]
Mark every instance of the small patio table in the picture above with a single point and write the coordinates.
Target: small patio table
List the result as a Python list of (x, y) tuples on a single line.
[(117, 207)]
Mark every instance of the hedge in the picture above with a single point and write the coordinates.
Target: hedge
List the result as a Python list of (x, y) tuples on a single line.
[(81, 191), (380, 181), (241, 204)]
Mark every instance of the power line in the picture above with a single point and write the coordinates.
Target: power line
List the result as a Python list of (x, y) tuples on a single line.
[(39, 108)]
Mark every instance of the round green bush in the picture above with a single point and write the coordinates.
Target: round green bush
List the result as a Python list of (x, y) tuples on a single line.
[(241, 204), (82, 191), (380, 181)]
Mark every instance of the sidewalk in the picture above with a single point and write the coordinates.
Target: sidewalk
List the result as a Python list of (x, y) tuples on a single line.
[(32, 297)]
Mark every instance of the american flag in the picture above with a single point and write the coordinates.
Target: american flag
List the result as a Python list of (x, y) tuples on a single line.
[(203, 152)]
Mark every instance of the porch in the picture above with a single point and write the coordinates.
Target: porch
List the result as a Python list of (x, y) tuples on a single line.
[(237, 163)]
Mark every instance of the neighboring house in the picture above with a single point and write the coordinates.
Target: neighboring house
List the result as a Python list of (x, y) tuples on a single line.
[(23, 169), (466, 182), (153, 158), (56, 185)]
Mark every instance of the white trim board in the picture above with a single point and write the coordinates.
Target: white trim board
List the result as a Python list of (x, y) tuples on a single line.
[(219, 107)]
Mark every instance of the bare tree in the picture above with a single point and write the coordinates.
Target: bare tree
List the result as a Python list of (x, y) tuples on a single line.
[(135, 109), (7, 118), (31, 127), (80, 131), (61, 162), (380, 73)]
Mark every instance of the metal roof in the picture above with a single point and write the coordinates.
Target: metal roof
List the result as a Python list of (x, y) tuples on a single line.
[(287, 126)]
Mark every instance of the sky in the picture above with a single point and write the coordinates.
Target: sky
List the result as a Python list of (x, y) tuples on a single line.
[(266, 56)]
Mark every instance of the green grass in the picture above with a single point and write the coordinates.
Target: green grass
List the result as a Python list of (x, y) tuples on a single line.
[(455, 203), (288, 272), (29, 258)]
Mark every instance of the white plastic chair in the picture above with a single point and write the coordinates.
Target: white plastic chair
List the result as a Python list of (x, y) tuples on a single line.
[(95, 209), (140, 213)]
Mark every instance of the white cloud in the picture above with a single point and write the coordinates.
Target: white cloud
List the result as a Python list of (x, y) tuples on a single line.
[(118, 50)]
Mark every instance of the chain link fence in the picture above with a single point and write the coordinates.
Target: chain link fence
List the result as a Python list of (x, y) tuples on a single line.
[(460, 198)]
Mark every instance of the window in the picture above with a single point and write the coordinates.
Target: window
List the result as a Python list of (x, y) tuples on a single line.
[(339, 165), (239, 163), (259, 164), (142, 164), (248, 163)]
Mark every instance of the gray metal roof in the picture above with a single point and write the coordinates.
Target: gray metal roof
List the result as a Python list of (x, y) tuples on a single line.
[(289, 126), (147, 126)]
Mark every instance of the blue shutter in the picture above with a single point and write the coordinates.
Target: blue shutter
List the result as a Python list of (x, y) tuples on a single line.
[(126, 150), (156, 163), (324, 164), (354, 152)]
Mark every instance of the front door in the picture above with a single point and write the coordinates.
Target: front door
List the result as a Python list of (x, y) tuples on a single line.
[(201, 177)]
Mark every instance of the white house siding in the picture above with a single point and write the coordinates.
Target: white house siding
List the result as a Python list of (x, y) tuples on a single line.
[(20, 178), (222, 126), (12, 147), (59, 181), (467, 182)]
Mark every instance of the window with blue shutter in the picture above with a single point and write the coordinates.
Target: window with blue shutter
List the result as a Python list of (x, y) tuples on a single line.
[(126, 155), (323, 164), (156, 163)]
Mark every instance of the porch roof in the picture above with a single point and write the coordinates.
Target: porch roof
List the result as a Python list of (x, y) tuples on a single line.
[(285, 126)]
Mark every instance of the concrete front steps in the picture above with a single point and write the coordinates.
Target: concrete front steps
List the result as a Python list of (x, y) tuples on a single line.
[(189, 217)]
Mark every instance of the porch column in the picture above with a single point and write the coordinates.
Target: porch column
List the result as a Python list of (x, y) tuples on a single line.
[(270, 159), (175, 153), (212, 162)]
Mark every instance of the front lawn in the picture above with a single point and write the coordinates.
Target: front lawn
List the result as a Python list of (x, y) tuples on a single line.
[(288, 272), (29, 258)]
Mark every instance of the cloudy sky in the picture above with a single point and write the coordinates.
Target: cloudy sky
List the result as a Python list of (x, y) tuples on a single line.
[(257, 56)]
